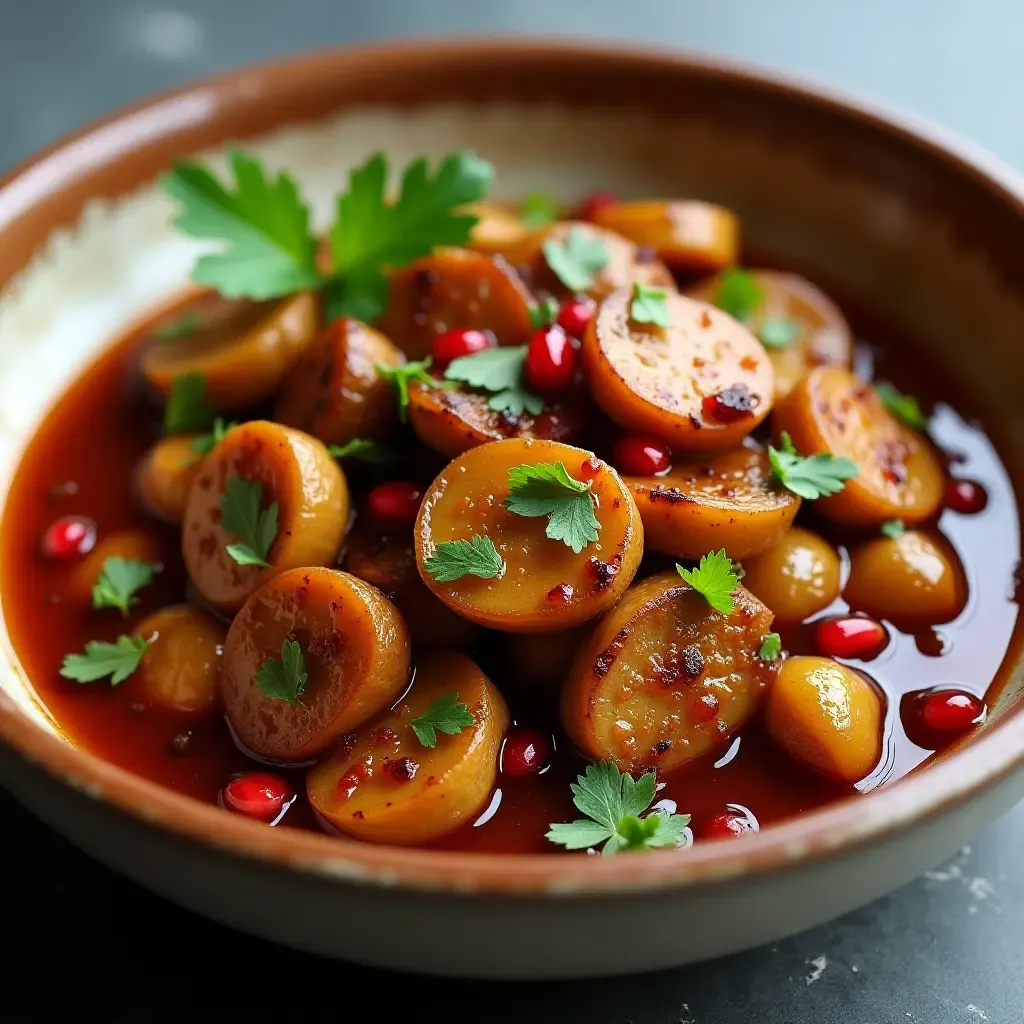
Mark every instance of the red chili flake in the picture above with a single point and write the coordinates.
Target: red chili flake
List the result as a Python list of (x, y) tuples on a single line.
[(734, 403), (349, 782), (590, 469), (560, 594), (404, 769), (602, 572), (706, 708)]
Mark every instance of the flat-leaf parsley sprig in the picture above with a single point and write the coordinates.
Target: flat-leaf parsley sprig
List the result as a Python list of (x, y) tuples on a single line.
[(243, 516), (714, 579), (285, 678), (577, 260), (453, 559), (400, 377), (119, 581), (117, 660), (446, 715), (905, 408), (649, 306), (809, 476), (499, 371), (546, 489)]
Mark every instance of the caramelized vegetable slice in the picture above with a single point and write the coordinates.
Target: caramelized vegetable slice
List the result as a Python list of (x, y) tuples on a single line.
[(126, 544), (294, 472), (355, 649), (451, 421), (242, 350), (912, 580), (827, 716), (544, 585), (899, 475), (385, 786), (455, 288), (335, 391), (180, 670), (797, 577), (690, 236), (664, 677), (165, 475), (702, 383), (730, 502), (802, 327), (498, 226)]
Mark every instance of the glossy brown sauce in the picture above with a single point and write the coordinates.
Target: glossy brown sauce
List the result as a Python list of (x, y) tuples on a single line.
[(101, 427)]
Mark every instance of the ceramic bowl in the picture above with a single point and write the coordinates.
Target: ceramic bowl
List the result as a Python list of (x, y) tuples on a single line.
[(922, 228)]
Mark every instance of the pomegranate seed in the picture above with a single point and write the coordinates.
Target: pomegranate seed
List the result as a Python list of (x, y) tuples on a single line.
[(559, 594), (736, 821), (602, 573), (463, 341), (851, 638), (595, 202), (734, 403), (641, 455), (965, 496), (69, 536), (951, 710), (706, 708), (349, 782), (589, 468), (550, 360), (383, 737), (525, 751), (575, 315), (403, 769), (258, 795), (395, 503)]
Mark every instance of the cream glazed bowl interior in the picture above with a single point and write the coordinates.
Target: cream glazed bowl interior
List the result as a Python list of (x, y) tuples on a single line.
[(914, 225)]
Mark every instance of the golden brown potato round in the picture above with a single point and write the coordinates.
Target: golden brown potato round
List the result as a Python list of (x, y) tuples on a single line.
[(821, 335), (498, 226), (356, 652), (385, 786), (545, 585), (827, 716), (165, 475), (899, 475), (730, 502), (913, 579), (797, 577), (690, 236), (664, 677), (126, 544), (451, 421), (702, 384), (180, 670), (242, 351), (455, 288), (297, 474), (335, 391)]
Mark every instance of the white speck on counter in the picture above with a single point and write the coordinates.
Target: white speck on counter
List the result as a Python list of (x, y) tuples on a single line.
[(684, 1015), (170, 35), (854, 968), (977, 1011), (817, 965), (980, 888)]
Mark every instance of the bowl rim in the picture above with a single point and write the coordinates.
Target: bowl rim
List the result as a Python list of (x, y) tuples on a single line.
[(836, 830)]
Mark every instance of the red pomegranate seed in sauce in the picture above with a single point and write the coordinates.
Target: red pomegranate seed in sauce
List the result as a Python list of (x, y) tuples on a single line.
[(727, 824), (595, 202), (706, 708), (395, 503), (589, 468), (561, 593), (403, 769), (965, 496), (851, 638), (550, 360), (641, 455), (463, 341), (524, 752), (69, 537), (951, 711), (258, 795), (734, 403), (575, 315)]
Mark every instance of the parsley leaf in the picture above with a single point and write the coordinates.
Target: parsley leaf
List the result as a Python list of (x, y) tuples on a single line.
[(453, 559), (714, 580), (771, 647), (181, 327), (242, 515), (543, 313), (117, 660), (777, 333), (365, 450), (546, 489), (284, 678), (263, 224), (576, 260), (811, 476), (205, 443), (904, 407), (649, 306), (537, 210), (118, 581), (399, 377), (893, 528), (187, 408), (516, 401), (371, 234), (613, 803), (498, 370), (738, 293), (445, 715)]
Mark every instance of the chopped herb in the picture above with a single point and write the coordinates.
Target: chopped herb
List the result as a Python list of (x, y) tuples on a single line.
[(714, 580), (904, 407), (117, 660), (538, 210), (516, 401), (893, 528), (175, 330), (546, 489), (399, 377), (243, 516), (649, 306), (809, 476), (187, 409), (205, 444), (613, 803), (738, 293), (453, 559), (118, 582), (542, 313), (445, 715), (365, 450), (578, 259), (777, 333), (284, 678), (771, 647), (500, 371)]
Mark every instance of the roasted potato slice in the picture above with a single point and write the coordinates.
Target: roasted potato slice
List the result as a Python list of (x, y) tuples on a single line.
[(297, 474), (165, 475), (899, 475), (356, 652), (702, 383), (664, 677), (498, 226), (243, 351), (730, 502), (335, 391), (385, 786), (545, 586)]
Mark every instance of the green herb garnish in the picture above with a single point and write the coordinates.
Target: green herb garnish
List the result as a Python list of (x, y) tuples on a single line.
[(893, 528), (538, 209), (809, 476), (182, 327), (776, 334), (243, 516), (400, 377), (205, 443), (101, 659), (771, 647), (284, 678), (187, 409), (542, 313), (445, 715), (546, 489), (738, 293), (365, 450), (714, 580), (649, 306), (904, 407), (500, 371), (578, 259), (453, 559), (119, 581)]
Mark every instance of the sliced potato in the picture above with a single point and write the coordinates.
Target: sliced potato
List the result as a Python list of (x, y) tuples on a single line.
[(827, 716), (545, 585), (690, 236), (165, 475), (498, 226), (242, 352), (455, 288), (335, 391), (899, 475), (127, 544), (913, 579), (820, 333), (730, 502), (356, 650), (702, 384), (664, 677), (297, 474)]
